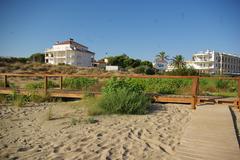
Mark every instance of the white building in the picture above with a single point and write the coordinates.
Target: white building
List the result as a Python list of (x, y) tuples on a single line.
[(215, 62), (160, 64), (112, 68), (69, 52)]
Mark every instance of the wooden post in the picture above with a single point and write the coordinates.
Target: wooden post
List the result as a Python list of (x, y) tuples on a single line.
[(238, 101), (5, 81), (195, 83), (45, 84), (61, 80)]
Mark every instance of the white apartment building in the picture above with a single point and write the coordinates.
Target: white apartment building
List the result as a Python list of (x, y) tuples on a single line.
[(215, 62), (69, 52)]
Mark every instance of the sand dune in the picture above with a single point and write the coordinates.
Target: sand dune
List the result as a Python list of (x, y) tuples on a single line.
[(26, 133)]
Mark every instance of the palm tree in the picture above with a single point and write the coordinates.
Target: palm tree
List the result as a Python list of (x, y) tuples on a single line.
[(162, 56), (178, 62)]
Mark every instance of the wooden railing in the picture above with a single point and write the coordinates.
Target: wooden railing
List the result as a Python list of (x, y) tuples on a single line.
[(194, 92)]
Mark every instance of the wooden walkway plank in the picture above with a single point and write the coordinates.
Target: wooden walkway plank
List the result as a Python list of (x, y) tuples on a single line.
[(210, 135)]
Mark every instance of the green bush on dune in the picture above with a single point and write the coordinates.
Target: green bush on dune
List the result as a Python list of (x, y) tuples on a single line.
[(40, 85), (124, 101), (218, 87), (122, 97), (162, 86), (78, 83), (1, 83), (113, 84)]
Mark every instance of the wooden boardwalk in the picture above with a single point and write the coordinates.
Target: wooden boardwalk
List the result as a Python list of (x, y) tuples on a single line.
[(210, 135), (192, 98)]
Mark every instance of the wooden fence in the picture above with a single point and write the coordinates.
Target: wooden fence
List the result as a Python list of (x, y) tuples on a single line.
[(192, 99)]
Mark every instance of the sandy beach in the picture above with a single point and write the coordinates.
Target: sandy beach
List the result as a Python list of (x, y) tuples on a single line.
[(65, 131)]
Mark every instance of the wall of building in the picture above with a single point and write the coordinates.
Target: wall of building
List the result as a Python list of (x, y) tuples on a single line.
[(216, 63), (77, 58), (71, 53)]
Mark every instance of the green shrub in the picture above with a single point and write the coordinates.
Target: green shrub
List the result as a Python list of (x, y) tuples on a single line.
[(139, 70), (50, 115), (91, 120), (218, 87), (18, 100), (40, 85), (222, 84), (94, 110), (1, 84), (113, 84), (149, 71), (162, 86), (183, 72), (124, 101), (38, 98), (75, 121), (91, 104), (11, 85), (144, 70), (79, 83), (3, 99), (203, 82)]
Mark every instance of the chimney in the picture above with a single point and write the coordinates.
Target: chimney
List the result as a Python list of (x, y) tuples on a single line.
[(71, 39)]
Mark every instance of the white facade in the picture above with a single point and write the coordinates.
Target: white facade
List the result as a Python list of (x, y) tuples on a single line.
[(215, 62), (112, 68), (160, 65), (69, 52), (169, 68)]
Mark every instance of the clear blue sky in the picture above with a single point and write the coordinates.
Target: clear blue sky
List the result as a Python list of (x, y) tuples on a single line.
[(139, 28)]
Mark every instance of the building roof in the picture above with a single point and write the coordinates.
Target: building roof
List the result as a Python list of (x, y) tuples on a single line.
[(214, 52), (70, 41), (90, 52)]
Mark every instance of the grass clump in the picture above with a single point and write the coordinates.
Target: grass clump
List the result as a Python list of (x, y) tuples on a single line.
[(79, 83), (38, 98), (120, 97), (91, 120), (40, 85), (18, 100), (124, 101), (94, 109), (161, 86), (114, 84), (50, 115), (1, 83), (218, 87), (3, 98), (75, 121)]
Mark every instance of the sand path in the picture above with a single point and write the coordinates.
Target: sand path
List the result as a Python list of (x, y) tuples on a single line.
[(209, 136)]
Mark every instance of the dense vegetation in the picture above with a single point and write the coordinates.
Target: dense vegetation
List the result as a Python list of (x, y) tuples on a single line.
[(125, 61), (124, 101), (40, 85), (183, 72), (36, 57), (161, 86), (20, 100), (122, 97), (218, 87), (145, 67), (79, 83), (130, 64), (34, 63), (13, 59)]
